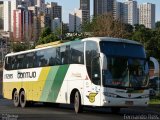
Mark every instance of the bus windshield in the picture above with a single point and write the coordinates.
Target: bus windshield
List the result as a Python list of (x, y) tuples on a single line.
[(126, 65)]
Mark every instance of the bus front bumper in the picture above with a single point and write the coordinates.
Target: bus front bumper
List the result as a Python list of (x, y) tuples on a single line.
[(124, 102)]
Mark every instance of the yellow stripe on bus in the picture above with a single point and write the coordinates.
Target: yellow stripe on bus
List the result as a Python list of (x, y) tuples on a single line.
[(33, 89), (38, 86)]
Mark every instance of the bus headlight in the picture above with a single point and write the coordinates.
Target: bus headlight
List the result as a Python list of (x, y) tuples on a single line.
[(145, 96), (110, 94)]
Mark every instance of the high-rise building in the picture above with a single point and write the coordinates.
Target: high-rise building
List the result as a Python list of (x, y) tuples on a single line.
[(14, 5), (55, 24), (1, 15), (33, 2), (75, 21), (132, 12), (85, 4), (22, 21), (35, 26), (7, 16), (48, 8), (104, 7), (85, 7), (34, 10), (147, 15), (56, 11), (26, 3), (45, 21), (40, 3), (121, 12)]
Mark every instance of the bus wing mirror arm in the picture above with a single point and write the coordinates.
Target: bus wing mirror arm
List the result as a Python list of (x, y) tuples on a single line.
[(104, 61)]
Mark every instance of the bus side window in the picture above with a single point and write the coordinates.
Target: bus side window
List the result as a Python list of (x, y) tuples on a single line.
[(14, 63), (58, 56), (46, 57), (65, 54), (77, 53), (36, 62), (20, 62), (29, 60), (91, 52), (52, 57), (8, 63)]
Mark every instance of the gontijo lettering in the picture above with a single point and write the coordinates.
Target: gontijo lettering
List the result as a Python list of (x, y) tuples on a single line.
[(26, 74)]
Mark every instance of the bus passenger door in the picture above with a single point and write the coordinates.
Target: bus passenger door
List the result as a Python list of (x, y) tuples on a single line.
[(93, 87)]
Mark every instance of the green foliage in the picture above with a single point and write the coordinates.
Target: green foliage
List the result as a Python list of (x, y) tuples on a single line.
[(50, 38), (149, 38), (158, 24), (47, 36), (17, 47), (45, 32), (142, 34)]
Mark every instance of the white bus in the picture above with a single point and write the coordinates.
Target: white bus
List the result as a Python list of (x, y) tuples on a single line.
[(98, 71)]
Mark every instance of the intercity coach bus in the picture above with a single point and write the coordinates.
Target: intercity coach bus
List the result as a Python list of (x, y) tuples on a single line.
[(98, 71)]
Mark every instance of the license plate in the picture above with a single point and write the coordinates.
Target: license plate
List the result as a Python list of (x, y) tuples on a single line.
[(129, 102)]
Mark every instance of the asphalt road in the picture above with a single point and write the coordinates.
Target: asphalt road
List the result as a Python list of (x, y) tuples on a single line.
[(66, 112)]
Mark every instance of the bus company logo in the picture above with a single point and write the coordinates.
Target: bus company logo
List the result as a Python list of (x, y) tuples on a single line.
[(26, 74), (91, 97)]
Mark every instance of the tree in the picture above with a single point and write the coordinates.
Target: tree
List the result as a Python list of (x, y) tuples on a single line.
[(139, 27), (153, 44), (17, 47), (106, 25), (45, 32), (47, 36), (158, 24), (142, 34)]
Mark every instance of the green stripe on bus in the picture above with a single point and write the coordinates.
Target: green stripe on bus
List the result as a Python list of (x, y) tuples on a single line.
[(47, 87), (57, 83)]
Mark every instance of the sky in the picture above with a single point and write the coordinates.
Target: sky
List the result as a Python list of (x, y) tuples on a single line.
[(68, 6)]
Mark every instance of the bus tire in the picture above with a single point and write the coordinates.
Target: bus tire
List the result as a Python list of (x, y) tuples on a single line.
[(115, 109), (77, 103), (23, 101), (16, 99)]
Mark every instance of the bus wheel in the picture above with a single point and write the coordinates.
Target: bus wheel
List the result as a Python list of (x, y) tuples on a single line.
[(115, 109), (77, 103), (16, 99), (23, 101)]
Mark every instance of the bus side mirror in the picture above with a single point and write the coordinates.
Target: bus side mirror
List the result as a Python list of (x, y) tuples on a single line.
[(156, 65), (103, 61)]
